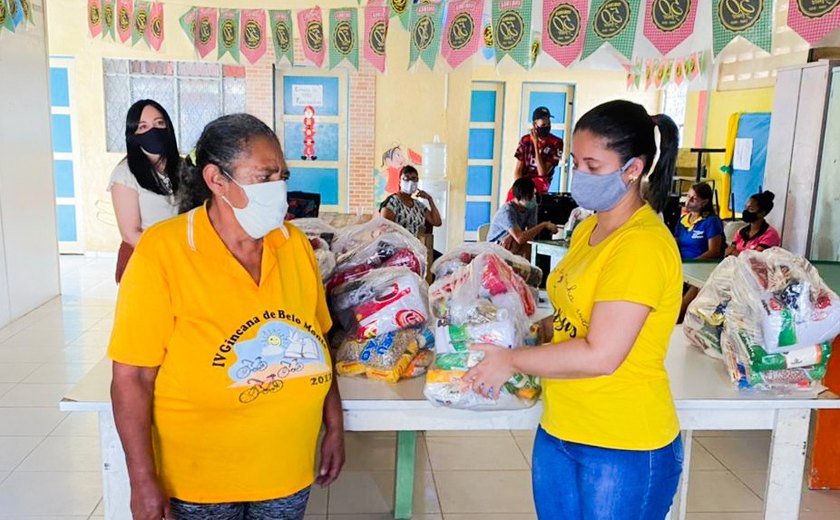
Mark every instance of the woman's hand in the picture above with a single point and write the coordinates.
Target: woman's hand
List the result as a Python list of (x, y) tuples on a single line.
[(423, 195), (148, 501), (492, 372), (332, 456), (732, 250)]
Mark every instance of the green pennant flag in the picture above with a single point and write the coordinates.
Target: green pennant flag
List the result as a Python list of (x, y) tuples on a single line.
[(6, 17), (751, 19), (109, 18), (613, 22), (281, 35), (187, 22), (229, 33), (402, 10), (27, 11), (344, 37), (141, 21), (512, 31), (426, 26)]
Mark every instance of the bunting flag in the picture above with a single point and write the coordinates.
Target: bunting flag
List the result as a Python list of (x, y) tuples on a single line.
[(154, 29), (109, 9), (650, 69), (124, 19), (141, 22), (311, 27), (679, 71), (425, 33), (188, 23), (750, 19), (564, 27), (26, 9), (512, 30), (692, 67), (631, 79), (613, 22), (813, 19), (638, 71), (205, 24), (344, 37), (488, 50), (462, 31), (228, 33), (6, 21), (94, 17), (281, 35), (402, 10), (662, 73), (376, 34), (668, 23), (252, 34), (15, 13)]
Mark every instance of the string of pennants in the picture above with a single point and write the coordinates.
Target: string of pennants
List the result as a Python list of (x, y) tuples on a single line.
[(457, 30), (15, 15)]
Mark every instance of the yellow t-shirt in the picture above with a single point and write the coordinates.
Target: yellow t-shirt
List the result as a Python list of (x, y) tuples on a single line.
[(633, 408), (244, 369)]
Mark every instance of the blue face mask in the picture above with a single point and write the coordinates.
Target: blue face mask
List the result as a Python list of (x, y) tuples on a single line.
[(599, 192), (531, 204)]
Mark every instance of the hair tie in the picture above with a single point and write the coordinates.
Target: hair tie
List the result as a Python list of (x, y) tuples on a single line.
[(192, 157)]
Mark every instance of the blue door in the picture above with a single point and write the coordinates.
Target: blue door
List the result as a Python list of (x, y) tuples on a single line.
[(484, 159), (65, 160), (559, 99)]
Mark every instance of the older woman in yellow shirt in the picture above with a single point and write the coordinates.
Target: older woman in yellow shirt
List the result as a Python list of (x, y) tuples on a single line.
[(608, 446)]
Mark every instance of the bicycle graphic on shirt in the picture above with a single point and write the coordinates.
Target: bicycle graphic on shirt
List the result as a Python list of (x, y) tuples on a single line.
[(271, 384)]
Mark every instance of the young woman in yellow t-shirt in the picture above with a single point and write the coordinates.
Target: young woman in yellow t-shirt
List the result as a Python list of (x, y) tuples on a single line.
[(608, 446)]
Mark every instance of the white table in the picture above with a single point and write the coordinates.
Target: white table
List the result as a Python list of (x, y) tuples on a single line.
[(554, 249), (704, 397)]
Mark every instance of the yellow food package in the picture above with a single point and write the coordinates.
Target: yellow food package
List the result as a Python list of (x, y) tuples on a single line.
[(390, 375), (349, 368)]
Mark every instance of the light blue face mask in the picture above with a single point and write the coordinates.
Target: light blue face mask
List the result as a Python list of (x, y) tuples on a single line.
[(599, 192)]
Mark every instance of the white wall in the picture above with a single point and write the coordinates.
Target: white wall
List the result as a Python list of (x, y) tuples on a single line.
[(29, 272)]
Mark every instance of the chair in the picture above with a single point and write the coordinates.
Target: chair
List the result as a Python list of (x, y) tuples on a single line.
[(303, 204), (730, 228), (482, 232)]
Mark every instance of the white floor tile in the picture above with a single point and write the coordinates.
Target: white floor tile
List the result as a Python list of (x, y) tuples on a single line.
[(485, 491), (50, 493), (367, 492), (756, 480), (64, 454), (14, 449), (78, 424), (718, 492), (5, 387), (725, 516), (739, 453), (40, 335), (821, 501), (29, 421), (380, 516), (16, 372), (475, 453), (35, 394), (92, 338), (59, 373), (491, 516), (526, 445), (702, 460)]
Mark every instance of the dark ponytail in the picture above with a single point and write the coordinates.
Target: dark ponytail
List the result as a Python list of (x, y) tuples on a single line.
[(221, 143), (629, 131)]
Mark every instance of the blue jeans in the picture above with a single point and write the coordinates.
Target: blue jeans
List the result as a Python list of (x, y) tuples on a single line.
[(579, 482)]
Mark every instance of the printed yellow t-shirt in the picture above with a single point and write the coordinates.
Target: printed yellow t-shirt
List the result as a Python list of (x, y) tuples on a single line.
[(244, 369), (632, 408)]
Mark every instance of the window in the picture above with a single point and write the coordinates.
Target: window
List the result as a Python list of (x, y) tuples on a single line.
[(193, 93), (673, 105)]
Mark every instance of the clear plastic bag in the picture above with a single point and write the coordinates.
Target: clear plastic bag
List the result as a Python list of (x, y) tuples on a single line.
[(315, 227), (484, 301), (703, 323), (390, 357), (467, 252), (351, 239)]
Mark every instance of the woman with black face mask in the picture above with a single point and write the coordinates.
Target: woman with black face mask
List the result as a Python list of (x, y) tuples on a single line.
[(143, 184), (757, 235)]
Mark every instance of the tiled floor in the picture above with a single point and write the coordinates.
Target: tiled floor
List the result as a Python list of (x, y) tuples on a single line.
[(49, 460)]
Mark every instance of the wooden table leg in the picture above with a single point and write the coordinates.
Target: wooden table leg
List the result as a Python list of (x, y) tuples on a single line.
[(404, 478), (787, 464)]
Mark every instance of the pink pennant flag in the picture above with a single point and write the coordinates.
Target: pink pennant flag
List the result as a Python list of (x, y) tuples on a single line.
[(659, 75), (564, 29), (669, 23), (813, 20), (650, 70), (125, 11), (206, 24), (631, 77), (462, 33), (692, 67), (94, 17), (679, 71), (252, 34), (311, 26), (154, 29), (376, 34)]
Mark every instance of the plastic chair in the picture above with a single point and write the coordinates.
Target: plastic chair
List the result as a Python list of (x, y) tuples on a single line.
[(482, 232)]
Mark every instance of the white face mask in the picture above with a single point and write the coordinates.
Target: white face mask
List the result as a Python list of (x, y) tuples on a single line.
[(408, 186), (266, 210)]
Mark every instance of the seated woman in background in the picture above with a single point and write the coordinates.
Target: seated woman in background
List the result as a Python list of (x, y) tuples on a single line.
[(757, 235), (700, 231), (143, 184), (405, 209), (515, 223)]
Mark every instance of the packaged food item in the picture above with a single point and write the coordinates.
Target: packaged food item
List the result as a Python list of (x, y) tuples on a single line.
[(703, 323), (419, 364), (388, 357), (467, 252), (352, 244)]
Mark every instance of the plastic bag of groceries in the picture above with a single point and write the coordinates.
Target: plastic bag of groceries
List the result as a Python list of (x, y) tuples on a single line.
[(779, 323), (385, 300), (466, 253), (349, 240), (315, 227), (703, 323), (320, 235), (482, 302), (390, 357)]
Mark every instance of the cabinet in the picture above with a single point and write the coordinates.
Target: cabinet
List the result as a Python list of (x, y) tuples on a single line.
[(825, 232), (795, 150)]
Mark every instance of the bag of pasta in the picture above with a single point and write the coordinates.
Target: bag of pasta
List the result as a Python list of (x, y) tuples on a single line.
[(389, 357)]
